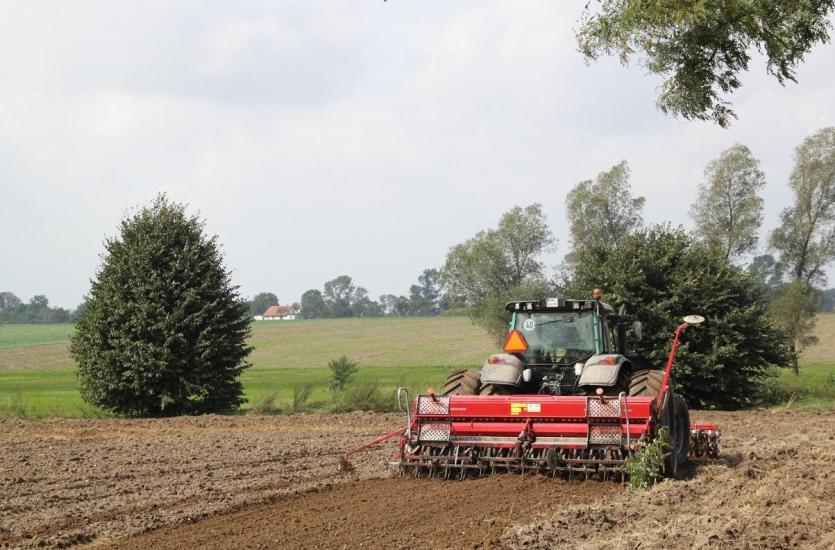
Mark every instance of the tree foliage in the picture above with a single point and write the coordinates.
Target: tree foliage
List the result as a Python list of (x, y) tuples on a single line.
[(9, 300), (425, 296), (341, 298), (728, 210), (36, 311), (805, 239), (342, 370), (496, 265), (662, 274), (702, 46), (794, 308), (603, 210), (165, 331)]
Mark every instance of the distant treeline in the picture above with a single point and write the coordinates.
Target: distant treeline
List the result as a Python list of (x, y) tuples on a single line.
[(340, 298), (37, 310)]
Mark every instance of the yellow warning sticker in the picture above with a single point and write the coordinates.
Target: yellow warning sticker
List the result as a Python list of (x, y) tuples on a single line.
[(518, 408)]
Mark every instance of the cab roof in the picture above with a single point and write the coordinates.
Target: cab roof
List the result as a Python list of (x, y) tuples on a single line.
[(557, 304)]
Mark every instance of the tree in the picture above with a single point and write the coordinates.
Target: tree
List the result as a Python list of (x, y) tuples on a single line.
[(728, 210), (165, 330), (342, 370), (362, 305), (313, 305), (604, 210), (662, 274), (768, 272), (497, 264), (394, 306), (805, 239), (8, 300), (425, 297), (260, 302), (702, 47), (79, 312), (794, 308), (339, 296), (35, 311)]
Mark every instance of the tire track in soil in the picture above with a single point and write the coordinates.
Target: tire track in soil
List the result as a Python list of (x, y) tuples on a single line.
[(386, 513)]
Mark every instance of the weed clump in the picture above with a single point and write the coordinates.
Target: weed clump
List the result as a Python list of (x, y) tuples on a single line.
[(646, 466), (266, 405), (301, 396)]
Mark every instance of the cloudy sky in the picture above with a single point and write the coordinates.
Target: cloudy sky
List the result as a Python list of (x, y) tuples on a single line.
[(327, 138)]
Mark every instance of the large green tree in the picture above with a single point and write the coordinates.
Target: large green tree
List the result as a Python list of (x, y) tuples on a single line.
[(497, 265), (603, 210), (702, 46), (728, 209), (165, 330), (805, 238), (662, 274)]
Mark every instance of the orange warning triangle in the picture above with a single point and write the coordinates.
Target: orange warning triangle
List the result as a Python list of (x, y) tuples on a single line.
[(515, 342)]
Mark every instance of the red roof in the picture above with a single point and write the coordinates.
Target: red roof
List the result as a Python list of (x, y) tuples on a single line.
[(278, 311)]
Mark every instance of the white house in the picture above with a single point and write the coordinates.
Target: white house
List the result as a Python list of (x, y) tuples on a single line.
[(279, 313)]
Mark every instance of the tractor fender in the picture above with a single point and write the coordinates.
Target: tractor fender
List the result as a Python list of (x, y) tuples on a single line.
[(502, 369), (603, 370)]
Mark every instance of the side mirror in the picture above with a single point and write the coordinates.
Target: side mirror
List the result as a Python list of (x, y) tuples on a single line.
[(637, 330)]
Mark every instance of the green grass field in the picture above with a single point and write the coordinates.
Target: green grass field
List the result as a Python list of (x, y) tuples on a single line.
[(18, 336), (37, 376)]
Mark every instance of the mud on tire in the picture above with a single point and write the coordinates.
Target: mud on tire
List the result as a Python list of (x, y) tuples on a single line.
[(463, 382)]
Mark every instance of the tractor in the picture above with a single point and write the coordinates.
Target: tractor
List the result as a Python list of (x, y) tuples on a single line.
[(563, 398), (564, 347)]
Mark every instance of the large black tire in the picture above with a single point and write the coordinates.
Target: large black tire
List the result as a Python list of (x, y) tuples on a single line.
[(496, 389), (682, 443), (463, 382), (670, 421), (646, 383), (676, 417)]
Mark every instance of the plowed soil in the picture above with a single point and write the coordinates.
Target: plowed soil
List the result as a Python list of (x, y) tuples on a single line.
[(264, 482)]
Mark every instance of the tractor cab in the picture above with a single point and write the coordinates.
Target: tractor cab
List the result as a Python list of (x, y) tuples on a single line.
[(561, 346), (559, 331)]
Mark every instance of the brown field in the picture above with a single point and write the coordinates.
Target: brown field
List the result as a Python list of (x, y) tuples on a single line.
[(259, 482)]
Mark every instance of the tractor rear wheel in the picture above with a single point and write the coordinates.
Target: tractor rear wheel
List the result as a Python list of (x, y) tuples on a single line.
[(646, 383), (496, 389), (463, 382)]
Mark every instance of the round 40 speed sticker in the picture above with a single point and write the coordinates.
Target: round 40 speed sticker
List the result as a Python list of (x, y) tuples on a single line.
[(529, 324)]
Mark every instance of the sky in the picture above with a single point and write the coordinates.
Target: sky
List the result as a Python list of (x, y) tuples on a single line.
[(327, 138)]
